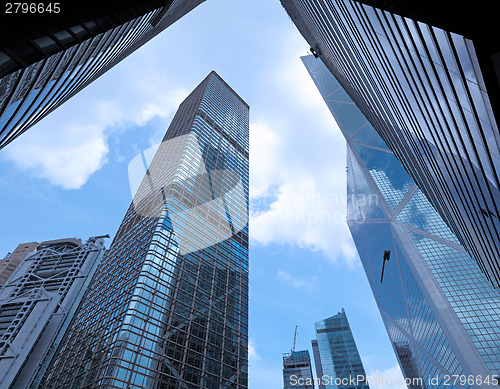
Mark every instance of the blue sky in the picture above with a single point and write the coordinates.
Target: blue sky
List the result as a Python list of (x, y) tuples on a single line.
[(67, 176)]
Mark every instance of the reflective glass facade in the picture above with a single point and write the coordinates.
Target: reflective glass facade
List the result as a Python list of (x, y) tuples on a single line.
[(168, 308), (338, 355), (439, 308), (30, 93), (297, 371), (38, 303), (423, 91)]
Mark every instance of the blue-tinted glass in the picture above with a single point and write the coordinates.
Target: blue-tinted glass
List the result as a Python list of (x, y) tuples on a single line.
[(369, 137), (338, 354), (430, 292), (388, 174), (419, 213), (362, 202)]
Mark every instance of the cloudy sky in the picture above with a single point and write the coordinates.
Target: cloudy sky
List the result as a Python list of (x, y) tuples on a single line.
[(67, 176)]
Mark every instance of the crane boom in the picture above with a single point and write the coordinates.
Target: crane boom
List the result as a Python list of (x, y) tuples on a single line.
[(294, 338)]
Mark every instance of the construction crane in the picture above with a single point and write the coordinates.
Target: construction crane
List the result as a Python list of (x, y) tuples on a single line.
[(294, 339)]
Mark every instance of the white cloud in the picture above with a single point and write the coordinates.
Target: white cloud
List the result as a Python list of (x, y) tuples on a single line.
[(309, 212), (157, 97), (264, 144), (71, 143), (253, 356), (390, 378), (297, 168), (261, 374), (66, 159), (296, 283), (298, 188), (296, 78)]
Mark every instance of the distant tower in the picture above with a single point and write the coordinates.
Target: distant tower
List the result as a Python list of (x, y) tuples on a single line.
[(336, 355), (54, 53), (297, 372), (38, 303), (319, 368), (12, 260)]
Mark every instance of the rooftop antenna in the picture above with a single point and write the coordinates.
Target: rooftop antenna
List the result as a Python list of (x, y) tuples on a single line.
[(294, 339)]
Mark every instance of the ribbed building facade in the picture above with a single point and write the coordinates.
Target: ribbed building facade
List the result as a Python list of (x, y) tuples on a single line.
[(168, 307), (39, 73), (426, 77), (336, 355), (439, 308), (38, 303)]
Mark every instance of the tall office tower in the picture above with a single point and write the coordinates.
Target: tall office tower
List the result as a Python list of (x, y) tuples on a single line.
[(38, 303), (297, 371), (12, 260), (336, 355), (51, 55), (319, 368), (440, 310), (426, 76), (168, 307)]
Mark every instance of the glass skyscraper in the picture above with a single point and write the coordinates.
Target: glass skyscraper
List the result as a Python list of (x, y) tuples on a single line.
[(38, 302), (297, 371), (336, 356), (57, 54), (168, 307), (439, 308), (425, 74)]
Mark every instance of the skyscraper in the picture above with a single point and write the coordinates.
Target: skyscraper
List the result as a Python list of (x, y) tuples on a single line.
[(425, 74), (297, 371), (168, 307), (51, 56), (439, 308), (38, 303), (12, 260), (319, 368), (336, 355)]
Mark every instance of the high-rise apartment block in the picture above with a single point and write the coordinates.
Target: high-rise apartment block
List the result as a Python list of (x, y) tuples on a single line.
[(297, 371), (426, 76), (12, 260), (337, 360), (38, 303), (50, 56), (168, 307), (439, 308)]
